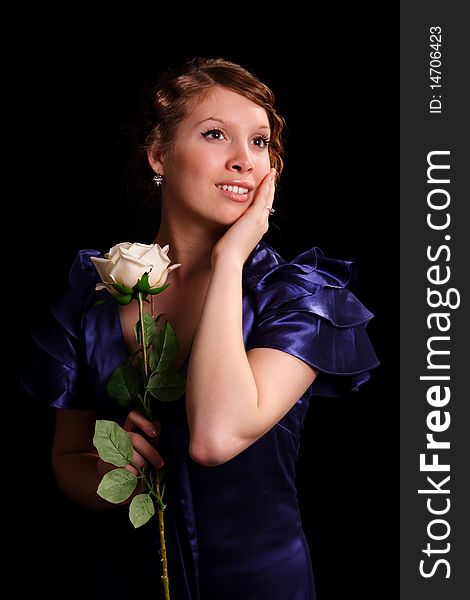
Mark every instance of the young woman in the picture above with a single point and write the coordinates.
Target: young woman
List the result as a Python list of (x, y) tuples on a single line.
[(259, 336)]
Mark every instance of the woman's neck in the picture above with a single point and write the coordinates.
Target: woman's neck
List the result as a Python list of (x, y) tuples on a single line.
[(191, 248)]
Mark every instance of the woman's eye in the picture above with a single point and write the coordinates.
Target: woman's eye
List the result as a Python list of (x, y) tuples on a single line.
[(213, 134), (261, 142)]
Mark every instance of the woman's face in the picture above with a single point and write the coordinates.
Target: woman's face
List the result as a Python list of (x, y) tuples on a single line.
[(218, 159)]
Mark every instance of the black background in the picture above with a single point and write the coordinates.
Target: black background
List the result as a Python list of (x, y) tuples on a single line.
[(78, 89)]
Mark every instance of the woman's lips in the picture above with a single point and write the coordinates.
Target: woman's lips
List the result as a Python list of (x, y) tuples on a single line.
[(233, 196)]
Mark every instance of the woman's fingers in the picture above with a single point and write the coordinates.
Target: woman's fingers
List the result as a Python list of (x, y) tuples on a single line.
[(265, 196), (144, 451), (136, 420)]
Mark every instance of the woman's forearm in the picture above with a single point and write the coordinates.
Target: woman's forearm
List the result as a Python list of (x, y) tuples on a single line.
[(78, 475), (221, 395)]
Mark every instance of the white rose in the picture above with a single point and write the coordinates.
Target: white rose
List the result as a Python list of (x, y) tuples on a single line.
[(125, 263)]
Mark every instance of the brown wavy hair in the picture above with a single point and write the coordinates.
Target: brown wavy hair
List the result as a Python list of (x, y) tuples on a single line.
[(178, 90)]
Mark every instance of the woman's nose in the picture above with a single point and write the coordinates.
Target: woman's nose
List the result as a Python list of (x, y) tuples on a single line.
[(240, 160)]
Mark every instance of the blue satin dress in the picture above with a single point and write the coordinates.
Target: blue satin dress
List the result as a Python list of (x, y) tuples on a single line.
[(233, 531)]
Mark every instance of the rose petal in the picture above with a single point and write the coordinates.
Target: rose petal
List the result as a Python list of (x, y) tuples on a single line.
[(138, 249), (157, 257), (115, 250), (103, 266), (128, 270), (159, 262)]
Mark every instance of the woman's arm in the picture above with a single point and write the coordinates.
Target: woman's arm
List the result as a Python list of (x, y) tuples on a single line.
[(77, 466), (234, 397)]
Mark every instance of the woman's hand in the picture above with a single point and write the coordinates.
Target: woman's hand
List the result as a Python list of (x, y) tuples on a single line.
[(238, 242), (144, 436)]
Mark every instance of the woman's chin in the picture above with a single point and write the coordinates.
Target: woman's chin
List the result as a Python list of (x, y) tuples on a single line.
[(230, 213)]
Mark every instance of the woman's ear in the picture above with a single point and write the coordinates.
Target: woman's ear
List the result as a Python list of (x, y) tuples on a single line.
[(155, 160)]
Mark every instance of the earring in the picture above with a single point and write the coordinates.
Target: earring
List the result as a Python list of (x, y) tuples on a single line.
[(158, 179)]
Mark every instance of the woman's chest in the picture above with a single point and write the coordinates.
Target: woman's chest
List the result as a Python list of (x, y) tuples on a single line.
[(182, 314)]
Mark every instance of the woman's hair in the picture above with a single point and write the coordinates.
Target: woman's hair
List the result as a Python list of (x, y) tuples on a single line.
[(177, 91)]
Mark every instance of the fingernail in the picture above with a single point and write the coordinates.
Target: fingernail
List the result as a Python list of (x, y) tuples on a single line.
[(152, 431), (160, 464)]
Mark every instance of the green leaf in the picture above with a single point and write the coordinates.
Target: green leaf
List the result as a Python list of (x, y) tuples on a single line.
[(140, 406), (167, 346), (141, 368), (113, 443), (167, 386), (154, 357), (150, 329), (124, 385), (117, 485), (141, 510), (142, 284), (159, 290)]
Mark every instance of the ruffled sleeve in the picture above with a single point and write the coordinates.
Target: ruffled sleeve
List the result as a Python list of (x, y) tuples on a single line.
[(305, 308), (57, 372)]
